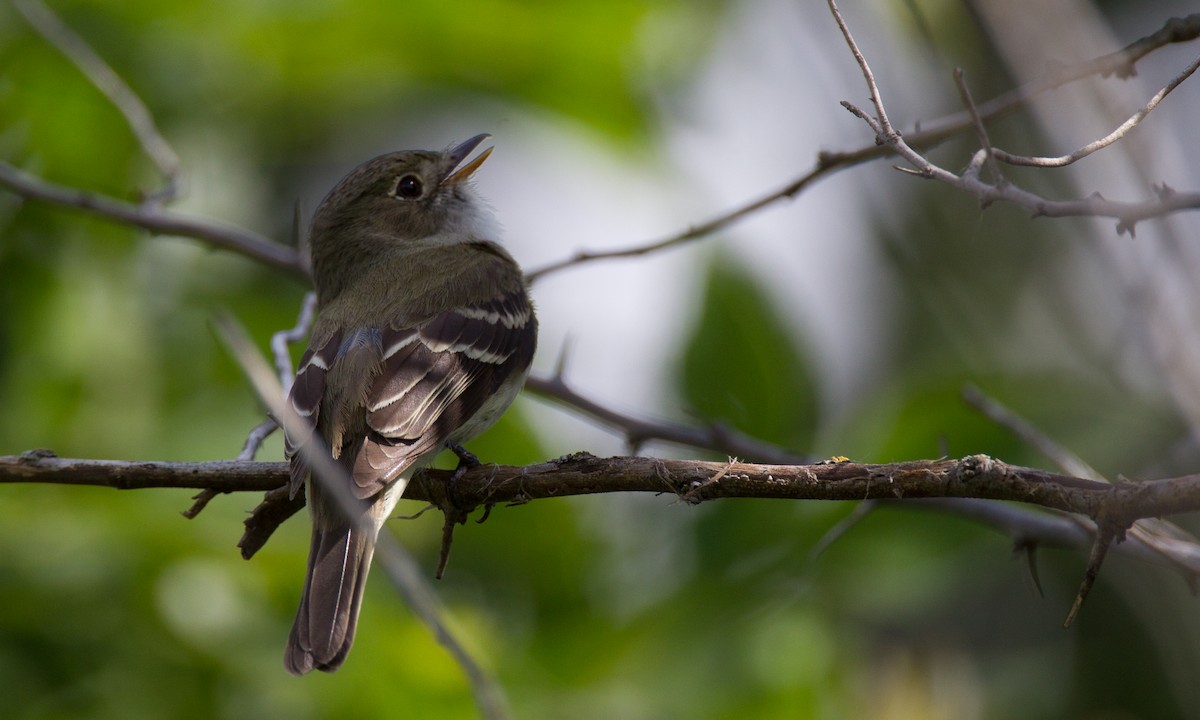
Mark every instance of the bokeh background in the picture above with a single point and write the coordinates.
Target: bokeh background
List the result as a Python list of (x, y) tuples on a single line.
[(844, 322)]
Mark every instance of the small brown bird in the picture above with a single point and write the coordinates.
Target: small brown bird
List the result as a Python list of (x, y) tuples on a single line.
[(423, 336)]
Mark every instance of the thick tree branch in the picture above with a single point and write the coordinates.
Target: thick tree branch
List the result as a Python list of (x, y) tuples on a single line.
[(964, 487)]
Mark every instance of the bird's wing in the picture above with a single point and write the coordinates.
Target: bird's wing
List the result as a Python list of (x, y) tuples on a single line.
[(434, 380), (430, 381), (308, 389)]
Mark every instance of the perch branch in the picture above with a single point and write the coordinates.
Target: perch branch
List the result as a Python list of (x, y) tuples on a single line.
[(975, 476)]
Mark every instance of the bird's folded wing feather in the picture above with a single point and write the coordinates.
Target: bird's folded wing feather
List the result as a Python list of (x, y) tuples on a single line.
[(431, 379)]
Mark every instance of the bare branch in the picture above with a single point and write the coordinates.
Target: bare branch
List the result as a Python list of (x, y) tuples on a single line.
[(255, 438), (1121, 63), (715, 437), (977, 122), (107, 81), (43, 466), (156, 220), (930, 133), (281, 341), (976, 476), (1156, 539), (1114, 507), (1067, 461), (884, 130), (1127, 214), (1115, 135), (695, 232)]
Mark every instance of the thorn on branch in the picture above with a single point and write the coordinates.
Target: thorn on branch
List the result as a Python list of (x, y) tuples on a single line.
[(1095, 560), (454, 516), (1109, 527), (455, 513), (923, 173), (1028, 548)]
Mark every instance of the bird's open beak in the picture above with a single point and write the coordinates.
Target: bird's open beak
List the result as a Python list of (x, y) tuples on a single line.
[(459, 152)]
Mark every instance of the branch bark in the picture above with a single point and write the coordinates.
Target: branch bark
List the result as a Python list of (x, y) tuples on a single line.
[(693, 481)]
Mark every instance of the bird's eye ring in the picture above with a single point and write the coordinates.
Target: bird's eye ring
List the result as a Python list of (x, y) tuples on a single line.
[(408, 187)]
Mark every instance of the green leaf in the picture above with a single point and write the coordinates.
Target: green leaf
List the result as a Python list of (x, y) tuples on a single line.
[(742, 365)]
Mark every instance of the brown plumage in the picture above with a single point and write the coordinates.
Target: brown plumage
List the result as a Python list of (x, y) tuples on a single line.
[(423, 336)]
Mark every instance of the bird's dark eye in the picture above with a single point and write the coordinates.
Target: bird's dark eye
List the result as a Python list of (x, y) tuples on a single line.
[(409, 187)]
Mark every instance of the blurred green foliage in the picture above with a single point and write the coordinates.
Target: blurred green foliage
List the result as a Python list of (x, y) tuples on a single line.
[(112, 606), (740, 365)]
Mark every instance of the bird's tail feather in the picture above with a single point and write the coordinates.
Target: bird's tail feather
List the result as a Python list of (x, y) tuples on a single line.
[(338, 563)]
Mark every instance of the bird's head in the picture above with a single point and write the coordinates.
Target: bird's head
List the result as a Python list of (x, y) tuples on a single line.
[(399, 202)]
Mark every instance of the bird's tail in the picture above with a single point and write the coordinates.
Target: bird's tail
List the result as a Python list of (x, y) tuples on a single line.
[(338, 563)]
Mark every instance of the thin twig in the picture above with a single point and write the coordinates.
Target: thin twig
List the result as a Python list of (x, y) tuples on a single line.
[(1109, 139), (200, 501), (282, 340), (1105, 534), (695, 232), (930, 133), (1067, 461), (1127, 214), (108, 82), (255, 438), (157, 220), (981, 132), (714, 437), (884, 131)]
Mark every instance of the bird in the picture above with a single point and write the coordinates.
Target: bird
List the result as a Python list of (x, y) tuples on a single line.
[(423, 335)]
